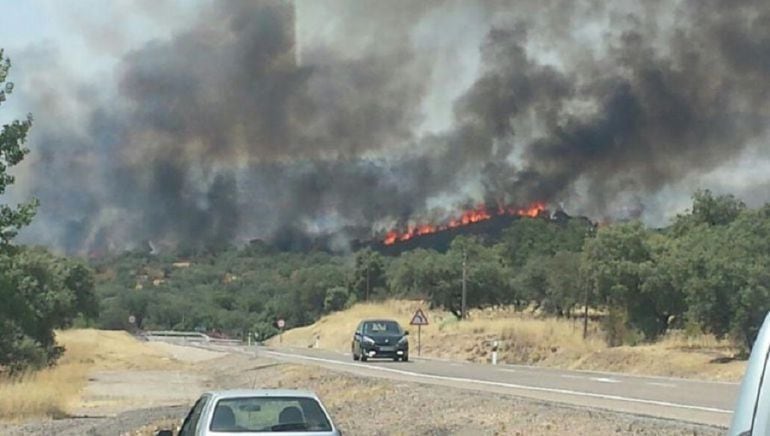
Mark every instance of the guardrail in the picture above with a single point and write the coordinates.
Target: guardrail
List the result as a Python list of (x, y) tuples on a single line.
[(185, 337)]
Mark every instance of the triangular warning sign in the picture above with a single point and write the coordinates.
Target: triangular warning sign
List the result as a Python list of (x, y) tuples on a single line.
[(419, 318)]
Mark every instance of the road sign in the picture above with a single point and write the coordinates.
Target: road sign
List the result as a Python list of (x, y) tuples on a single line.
[(281, 323), (419, 318), (131, 319)]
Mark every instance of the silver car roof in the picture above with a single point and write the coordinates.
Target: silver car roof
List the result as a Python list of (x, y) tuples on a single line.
[(239, 393)]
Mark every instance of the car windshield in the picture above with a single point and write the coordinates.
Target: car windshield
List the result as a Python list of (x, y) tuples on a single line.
[(269, 414), (382, 327)]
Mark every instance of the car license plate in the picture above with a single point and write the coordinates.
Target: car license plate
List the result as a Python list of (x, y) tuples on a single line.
[(387, 349)]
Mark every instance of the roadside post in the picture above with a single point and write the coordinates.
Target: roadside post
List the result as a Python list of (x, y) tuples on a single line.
[(494, 353), (419, 319), (281, 324)]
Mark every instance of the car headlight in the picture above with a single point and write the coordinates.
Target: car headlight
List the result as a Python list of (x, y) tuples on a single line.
[(403, 340), (368, 340)]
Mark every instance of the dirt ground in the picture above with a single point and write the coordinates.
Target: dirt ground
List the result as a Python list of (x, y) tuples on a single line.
[(360, 406)]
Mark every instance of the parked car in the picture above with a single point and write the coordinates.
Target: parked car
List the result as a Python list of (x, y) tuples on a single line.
[(263, 412), (380, 338), (751, 417)]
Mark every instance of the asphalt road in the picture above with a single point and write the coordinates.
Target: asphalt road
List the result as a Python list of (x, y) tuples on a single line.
[(695, 401)]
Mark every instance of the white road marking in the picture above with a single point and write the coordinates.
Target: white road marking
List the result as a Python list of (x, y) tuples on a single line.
[(622, 375), (505, 385), (604, 380), (581, 377), (665, 385)]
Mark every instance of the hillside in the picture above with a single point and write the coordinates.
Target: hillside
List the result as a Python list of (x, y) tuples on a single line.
[(87, 379), (528, 339)]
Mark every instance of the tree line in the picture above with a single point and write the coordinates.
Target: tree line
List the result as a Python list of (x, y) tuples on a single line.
[(706, 272)]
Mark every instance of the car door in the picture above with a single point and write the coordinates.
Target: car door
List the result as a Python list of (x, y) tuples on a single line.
[(357, 339), (192, 421)]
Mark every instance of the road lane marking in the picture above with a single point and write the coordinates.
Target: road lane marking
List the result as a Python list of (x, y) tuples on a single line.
[(504, 385), (622, 375), (579, 377), (665, 385), (604, 380)]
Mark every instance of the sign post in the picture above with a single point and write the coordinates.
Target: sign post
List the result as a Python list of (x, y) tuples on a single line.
[(419, 319), (281, 324)]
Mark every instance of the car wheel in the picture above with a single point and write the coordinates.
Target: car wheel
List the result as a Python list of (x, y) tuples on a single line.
[(355, 356), (363, 357), (405, 358)]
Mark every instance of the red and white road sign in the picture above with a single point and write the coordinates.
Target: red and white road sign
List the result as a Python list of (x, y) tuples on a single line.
[(281, 323), (419, 318)]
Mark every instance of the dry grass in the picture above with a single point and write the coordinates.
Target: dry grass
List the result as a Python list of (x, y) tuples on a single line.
[(525, 338), (51, 392)]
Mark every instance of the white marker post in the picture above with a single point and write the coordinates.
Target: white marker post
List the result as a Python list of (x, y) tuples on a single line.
[(494, 353)]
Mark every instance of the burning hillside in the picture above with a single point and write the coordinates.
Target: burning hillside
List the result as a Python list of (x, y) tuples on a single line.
[(304, 121), (468, 217)]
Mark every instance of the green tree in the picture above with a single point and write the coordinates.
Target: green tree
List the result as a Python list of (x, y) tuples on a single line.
[(527, 238), (369, 274), (562, 283), (12, 151), (336, 298), (615, 265), (39, 293), (710, 210)]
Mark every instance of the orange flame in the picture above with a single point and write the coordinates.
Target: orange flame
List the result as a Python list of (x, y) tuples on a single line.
[(478, 214)]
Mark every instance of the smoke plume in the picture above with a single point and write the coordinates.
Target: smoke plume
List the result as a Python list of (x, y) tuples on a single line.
[(231, 129)]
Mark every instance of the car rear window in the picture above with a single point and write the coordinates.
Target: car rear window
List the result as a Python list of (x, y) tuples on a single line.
[(269, 414)]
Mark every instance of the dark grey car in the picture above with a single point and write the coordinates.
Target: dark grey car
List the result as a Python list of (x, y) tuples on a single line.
[(380, 338)]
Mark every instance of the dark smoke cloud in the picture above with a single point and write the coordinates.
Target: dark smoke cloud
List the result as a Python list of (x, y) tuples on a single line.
[(219, 135)]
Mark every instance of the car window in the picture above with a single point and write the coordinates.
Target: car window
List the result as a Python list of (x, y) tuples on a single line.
[(191, 421), (269, 414), (382, 327)]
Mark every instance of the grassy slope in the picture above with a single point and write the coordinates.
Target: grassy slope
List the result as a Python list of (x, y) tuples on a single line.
[(51, 392), (527, 339)]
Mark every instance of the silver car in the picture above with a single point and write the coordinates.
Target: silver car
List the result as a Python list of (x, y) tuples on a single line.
[(258, 412), (752, 412)]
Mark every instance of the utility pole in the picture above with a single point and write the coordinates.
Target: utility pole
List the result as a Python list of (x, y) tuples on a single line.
[(464, 313), (585, 313), (368, 264)]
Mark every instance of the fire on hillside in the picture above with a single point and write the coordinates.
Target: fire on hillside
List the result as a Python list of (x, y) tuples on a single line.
[(475, 215)]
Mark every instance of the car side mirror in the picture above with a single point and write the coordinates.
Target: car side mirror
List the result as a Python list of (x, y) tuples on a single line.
[(406, 333), (164, 433)]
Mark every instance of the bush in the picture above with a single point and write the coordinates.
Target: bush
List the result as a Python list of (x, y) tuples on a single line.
[(336, 299)]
